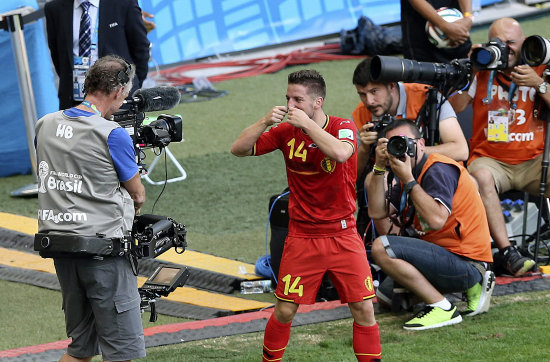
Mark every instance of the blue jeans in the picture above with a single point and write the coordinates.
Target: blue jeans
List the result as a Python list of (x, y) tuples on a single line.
[(447, 272)]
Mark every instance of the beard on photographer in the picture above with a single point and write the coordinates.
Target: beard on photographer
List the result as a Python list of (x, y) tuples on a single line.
[(90, 186)]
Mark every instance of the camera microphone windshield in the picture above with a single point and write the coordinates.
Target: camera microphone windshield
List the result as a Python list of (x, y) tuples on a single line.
[(155, 99), (536, 50)]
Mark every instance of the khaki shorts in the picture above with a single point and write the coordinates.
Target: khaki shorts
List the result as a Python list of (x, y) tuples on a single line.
[(522, 177), (102, 308)]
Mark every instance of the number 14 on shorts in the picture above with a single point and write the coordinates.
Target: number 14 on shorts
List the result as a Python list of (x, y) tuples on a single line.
[(291, 286)]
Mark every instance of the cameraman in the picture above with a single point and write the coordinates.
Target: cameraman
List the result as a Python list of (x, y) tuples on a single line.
[(444, 244), (90, 187), (515, 162), (401, 100)]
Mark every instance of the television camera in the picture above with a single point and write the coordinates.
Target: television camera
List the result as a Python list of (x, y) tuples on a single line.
[(153, 235), (158, 133)]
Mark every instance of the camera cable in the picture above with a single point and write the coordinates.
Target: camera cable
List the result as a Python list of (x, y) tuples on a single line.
[(263, 264), (163, 185)]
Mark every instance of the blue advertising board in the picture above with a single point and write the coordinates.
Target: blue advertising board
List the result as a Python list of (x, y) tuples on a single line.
[(193, 29)]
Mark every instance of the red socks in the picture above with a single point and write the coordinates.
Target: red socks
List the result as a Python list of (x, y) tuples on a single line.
[(275, 339), (366, 343)]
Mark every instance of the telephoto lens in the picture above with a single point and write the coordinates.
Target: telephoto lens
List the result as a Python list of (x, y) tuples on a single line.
[(536, 50), (455, 75)]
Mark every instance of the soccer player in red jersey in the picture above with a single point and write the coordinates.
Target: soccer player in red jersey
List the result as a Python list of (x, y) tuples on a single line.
[(319, 152)]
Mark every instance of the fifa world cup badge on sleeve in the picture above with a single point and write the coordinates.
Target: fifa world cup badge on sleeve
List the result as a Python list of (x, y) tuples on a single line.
[(345, 134)]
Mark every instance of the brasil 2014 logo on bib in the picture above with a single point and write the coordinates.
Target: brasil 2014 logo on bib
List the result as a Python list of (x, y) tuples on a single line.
[(43, 169)]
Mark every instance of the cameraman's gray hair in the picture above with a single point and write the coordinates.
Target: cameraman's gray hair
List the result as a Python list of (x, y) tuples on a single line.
[(108, 74)]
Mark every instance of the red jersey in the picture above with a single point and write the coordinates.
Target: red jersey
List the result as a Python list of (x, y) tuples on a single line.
[(525, 132), (322, 191)]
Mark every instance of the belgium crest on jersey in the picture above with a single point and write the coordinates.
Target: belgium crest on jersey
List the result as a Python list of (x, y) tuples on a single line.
[(328, 165)]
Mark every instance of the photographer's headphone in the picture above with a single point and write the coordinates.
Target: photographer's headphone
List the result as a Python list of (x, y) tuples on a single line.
[(123, 76)]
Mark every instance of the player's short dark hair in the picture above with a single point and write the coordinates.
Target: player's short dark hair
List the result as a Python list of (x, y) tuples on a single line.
[(311, 79), (108, 74)]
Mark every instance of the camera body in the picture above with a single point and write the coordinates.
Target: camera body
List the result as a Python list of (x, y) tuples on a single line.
[(381, 124), (492, 55), (158, 133), (153, 235), (398, 146)]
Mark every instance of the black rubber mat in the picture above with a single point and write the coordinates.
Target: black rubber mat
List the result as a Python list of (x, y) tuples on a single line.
[(46, 356), (256, 325), (522, 286), (47, 280)]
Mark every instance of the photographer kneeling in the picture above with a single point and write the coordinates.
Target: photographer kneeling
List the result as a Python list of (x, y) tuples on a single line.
[(89, 191), (444, 244)]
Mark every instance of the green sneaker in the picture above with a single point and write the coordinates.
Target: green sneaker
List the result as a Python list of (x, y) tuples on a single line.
[(433, 317), (479, 296), (516, 263)]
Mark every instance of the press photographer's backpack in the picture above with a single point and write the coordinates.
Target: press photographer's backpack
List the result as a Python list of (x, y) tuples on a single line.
[(371, 39)]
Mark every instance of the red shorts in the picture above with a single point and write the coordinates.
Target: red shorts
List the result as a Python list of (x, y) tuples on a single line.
[(306, 260)]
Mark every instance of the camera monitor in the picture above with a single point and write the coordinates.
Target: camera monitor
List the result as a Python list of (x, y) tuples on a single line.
[(165, 279)]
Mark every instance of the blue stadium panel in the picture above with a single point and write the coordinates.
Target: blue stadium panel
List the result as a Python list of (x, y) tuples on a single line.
[(192, 29)]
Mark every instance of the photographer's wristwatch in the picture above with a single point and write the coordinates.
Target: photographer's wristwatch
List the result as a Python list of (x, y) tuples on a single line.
[(542, 88), (409, 186)]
